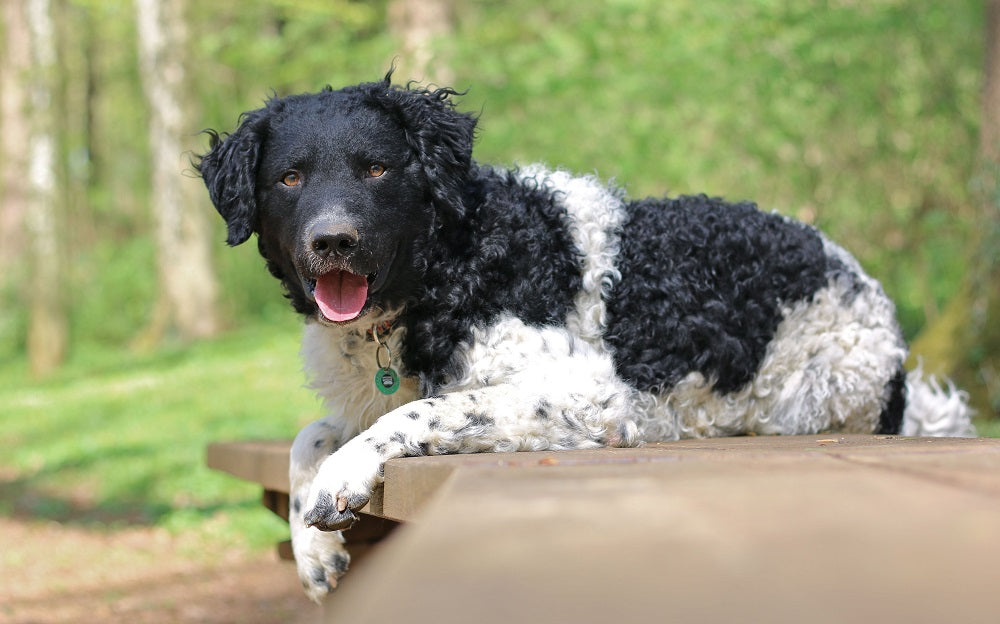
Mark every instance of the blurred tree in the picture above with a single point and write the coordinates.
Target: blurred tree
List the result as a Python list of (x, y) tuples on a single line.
[(187, 287), (985, 310), (14, 134), (964, 341), (48, 327), (418, 24)]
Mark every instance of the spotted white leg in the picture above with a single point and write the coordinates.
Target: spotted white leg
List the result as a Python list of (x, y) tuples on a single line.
[(491, 419), (320, 556)]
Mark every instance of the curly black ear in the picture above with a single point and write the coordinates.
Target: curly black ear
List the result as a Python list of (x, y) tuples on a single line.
[(229, 170), (441, 137)]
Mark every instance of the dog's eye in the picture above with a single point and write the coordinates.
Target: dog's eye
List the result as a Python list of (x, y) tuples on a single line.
[(292, 178), (375, 170)]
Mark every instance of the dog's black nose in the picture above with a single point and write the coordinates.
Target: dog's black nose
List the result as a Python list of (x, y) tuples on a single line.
[(334, 241)]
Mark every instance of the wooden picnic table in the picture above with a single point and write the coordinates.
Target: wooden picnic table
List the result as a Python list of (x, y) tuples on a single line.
[(825, 528)]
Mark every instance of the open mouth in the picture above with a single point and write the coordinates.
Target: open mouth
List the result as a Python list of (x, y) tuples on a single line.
[(340, 294)]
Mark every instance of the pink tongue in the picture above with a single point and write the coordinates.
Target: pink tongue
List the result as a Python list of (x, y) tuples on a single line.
[(341, 295)]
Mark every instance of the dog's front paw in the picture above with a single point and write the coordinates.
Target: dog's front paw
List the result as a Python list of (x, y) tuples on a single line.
[(342, 485), (320, 559), (330, 514)]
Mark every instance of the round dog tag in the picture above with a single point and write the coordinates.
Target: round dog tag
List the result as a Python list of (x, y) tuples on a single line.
[(386, 380)]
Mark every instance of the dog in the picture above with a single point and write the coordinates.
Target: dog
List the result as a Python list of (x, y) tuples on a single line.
[(453, 307)]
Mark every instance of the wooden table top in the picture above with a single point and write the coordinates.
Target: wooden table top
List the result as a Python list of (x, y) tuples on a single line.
[(824, 528)]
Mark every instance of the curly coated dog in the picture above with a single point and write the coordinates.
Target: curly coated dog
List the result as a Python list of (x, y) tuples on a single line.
[(452, 307)]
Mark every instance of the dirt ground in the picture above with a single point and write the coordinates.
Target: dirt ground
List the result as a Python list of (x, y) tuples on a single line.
[(52, 573)]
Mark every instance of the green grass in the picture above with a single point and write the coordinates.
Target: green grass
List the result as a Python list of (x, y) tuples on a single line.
[(119, 438), (988, 428)]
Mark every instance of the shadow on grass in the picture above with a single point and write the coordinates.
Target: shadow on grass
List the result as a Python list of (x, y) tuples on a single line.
[(41, 495), (22, 500)]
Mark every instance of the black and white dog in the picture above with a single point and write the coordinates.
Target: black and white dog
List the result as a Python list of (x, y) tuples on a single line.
[(455, 308)]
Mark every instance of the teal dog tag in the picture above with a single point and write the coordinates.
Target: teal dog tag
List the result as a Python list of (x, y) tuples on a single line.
[(386, 380)]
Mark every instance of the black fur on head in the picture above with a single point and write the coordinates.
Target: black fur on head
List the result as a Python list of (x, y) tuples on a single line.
[(440, 136), (335, 225)]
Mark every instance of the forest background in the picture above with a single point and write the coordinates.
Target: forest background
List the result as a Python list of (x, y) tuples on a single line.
[(130, 335)]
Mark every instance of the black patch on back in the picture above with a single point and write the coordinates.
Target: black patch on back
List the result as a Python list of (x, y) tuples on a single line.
[(701, 289), (512, 254), (890, 421)]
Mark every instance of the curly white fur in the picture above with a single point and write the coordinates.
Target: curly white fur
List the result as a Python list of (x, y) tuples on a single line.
[(596, 214), (933, 410)]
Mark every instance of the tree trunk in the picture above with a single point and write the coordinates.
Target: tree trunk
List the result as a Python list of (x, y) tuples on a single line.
[(965, 341), (14, 135), (417, 24), (989, 131), (47, 328), (187, 291)]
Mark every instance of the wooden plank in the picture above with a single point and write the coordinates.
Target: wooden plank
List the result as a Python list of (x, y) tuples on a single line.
[(277, 502), (770, 529), (260, 461), (812, 528), (410, 482), (409, 487)]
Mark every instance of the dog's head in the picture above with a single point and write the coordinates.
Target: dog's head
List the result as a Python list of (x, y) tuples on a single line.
[(343, 188)]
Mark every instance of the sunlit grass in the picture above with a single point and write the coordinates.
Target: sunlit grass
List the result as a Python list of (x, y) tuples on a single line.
[(121, 439)]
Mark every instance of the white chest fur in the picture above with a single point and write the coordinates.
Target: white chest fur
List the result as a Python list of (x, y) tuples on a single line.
[(340, 366)]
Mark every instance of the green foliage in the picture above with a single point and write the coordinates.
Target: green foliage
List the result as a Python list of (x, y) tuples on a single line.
[(860, 116), (248, 51), (127, 267)]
